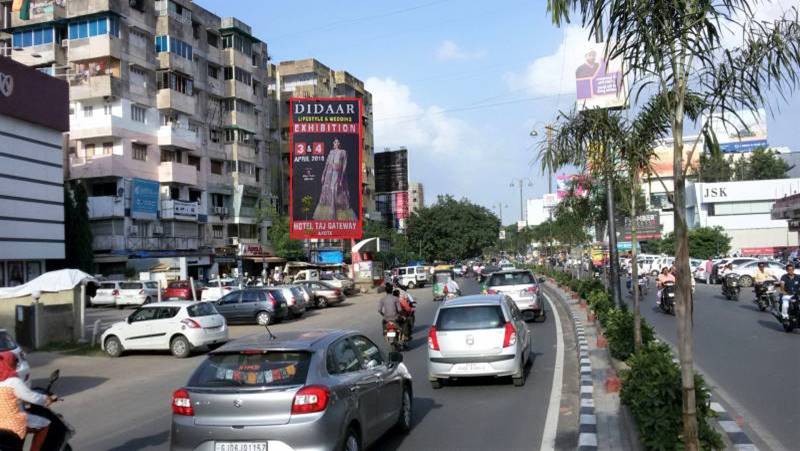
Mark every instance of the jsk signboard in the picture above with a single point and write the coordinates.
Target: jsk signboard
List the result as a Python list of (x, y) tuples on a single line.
[(325, 195)]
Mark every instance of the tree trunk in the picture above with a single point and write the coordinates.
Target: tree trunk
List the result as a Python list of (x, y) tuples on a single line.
[(684, 286), (637, 317), (613, 253)]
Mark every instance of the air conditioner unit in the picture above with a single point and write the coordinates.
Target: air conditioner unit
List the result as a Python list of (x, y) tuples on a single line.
[(233, 241), (133, 230), (158, 229), (221, 211)]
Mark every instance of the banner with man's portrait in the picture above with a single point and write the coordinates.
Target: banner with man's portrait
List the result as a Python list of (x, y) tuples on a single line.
[(325, 198)]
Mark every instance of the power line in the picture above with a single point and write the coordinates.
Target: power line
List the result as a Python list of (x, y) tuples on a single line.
[(459, 109)]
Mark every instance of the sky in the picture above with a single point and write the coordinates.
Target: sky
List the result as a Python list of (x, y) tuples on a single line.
[(460, 83)]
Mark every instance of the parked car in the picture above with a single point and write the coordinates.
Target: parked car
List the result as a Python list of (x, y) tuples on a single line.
[(107, 294), (521, 286), (411, 277), (181, 290), (319, 389), (253, 305), (735, 263), (217, 288), (323, 294), (747, 271), (480, 335), (339, 281), (296, 300), (7, 343), (177, 326), (137, 293)]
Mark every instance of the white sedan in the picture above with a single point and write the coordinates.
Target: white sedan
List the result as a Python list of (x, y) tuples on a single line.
[(177, 326), (748, 270)]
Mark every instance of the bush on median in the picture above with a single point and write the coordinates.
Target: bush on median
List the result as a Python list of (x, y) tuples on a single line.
[(652, 390), (618, 327)]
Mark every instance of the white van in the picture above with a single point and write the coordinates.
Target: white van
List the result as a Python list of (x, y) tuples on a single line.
[(411, 276)]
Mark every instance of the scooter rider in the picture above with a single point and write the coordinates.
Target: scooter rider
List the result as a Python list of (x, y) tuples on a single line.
[(663, 278), (790, 284), (762, 275)]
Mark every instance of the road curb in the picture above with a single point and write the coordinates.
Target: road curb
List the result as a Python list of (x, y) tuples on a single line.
[(730, 426)]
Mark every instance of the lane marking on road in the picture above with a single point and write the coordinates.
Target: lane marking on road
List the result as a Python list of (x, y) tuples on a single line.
[(554, 406)]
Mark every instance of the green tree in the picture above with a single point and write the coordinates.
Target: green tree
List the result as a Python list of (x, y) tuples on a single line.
[(77, 230), (761, 164), (400, 251), (714, 167), (675, 49), (452, 230), (704, 242), (284, 246)]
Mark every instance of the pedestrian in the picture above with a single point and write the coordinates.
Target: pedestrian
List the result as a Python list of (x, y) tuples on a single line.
[(709, 266)]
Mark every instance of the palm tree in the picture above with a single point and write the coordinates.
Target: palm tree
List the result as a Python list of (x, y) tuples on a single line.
[(674, 49)]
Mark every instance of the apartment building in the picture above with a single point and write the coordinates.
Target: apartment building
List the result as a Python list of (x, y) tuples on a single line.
[(416, 196), (311, 78), (169, 112)]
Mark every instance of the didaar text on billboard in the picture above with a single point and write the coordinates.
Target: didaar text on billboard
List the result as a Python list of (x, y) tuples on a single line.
[(326, 153)]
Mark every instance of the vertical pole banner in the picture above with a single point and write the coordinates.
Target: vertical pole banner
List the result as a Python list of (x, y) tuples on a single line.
[(325, 160)]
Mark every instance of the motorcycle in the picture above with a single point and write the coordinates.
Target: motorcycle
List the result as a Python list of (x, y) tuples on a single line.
[(394, 335), (791, 320), (643, 284), (59, 433), (730, 287), (667, 302), (765, 294)]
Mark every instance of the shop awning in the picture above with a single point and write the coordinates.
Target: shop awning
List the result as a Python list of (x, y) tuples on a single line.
[(266, 259)]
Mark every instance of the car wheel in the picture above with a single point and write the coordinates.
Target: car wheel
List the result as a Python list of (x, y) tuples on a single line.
[(322, 302), (114, 347), (788, 326), (352, 442), (519, 381), (436, 384), (180, 347), (263, 318), (406, 410), (411, 285)]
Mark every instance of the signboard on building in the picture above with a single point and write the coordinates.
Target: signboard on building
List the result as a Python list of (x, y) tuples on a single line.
[(329, 256), (648, 226), (743, 132), (144, 199), (19, 84), (598, 81), (325, 197), (565, 183), (253, 250), (185, 209)]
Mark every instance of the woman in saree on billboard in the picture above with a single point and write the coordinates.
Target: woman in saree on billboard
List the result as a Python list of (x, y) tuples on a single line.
[(334, 198)]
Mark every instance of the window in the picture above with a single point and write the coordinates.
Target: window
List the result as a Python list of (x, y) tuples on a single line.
[(247, 370), (139, 151), (213, 72), (138, 76), (249, 169), (243, 76), (201, 309), (194, 161), (144, 314), (213, 134), (173, 45), (108, 148), (170, 155), (89, 150), (139, 113), (196, 30), (240, 43), (342, 357), (228, 73), (137, 38), (230, 298), (250, 296), (98, 26), (106, 109), (740, 208), (213, 39), (230, 135), (32, 36), (193, 127), (370, 354), (167, 312), (175, 82), (88, 110), (162, 44), (216, 167), (216, 231), (174, 193), (194, 195)]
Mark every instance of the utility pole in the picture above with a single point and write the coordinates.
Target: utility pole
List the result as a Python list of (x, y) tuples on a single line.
[(521, 183)]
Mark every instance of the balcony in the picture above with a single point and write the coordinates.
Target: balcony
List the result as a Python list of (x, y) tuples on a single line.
[(179, 210), (97, 86), (93, 48), (76, 8), (171, 172), (245, 179), (134, 243), (39, 55), (101, 207), (239, 90), (214, 86), (241, 120), (240, 151), (168, 99), (40, 12), (171, 61), (178, 137), (109, 166)]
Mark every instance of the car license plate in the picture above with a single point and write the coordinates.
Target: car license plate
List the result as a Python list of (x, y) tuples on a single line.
[(391, 334), (240, 446), (470, 367)]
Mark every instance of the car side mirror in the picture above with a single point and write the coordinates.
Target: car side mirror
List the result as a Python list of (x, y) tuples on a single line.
[(395, 357), (541, 280), (128, 319)]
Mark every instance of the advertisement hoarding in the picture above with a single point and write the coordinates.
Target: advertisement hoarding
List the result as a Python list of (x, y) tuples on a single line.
[(325, 197), (598, 82), (648, 227), (564, 184), (144, 199), (744, 133)]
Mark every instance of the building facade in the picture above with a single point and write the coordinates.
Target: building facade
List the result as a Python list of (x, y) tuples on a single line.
[(392, 189), (169, 125), (416, 196), (31, 171)]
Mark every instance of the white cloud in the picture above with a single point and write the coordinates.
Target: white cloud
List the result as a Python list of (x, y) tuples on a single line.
[(553, 74), (450, 51), (765, 11)]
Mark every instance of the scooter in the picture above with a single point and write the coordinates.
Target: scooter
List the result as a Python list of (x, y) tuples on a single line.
[(667, 303), (765, 292), (791, 320), (394, 335), (730, 287)]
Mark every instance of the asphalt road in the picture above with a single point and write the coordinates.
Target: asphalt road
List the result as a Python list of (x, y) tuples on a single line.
[(747, 356), (123, 404)]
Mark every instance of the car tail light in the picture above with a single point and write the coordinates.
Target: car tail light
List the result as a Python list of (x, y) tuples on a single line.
[(510, 337), (22, 355), (490, 291), (532, 289), (337, 292), (141, 291), (190, 323), (310, 399), (272, 300), (433, 342), (115, 293), (181, 403)]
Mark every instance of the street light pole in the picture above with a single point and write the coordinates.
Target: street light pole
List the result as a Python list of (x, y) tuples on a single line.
[(521, 183)]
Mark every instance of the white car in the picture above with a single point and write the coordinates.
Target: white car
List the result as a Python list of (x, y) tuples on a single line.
[(177, 326), (217, 288), (137, 293), (747, 271), (107, 294), (7, 343)]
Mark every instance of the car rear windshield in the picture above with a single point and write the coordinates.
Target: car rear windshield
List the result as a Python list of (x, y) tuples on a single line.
[(511, 278), (130, 286), (108, 286), (470, 318), (201, 309), (252, 369), (6, 342), (278, 295), (178, 285)]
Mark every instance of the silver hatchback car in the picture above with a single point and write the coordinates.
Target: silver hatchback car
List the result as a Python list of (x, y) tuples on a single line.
[(521, 286), (482, 335), (316, 390)]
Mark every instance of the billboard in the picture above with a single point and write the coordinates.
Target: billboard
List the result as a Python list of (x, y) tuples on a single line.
[(598, 82), (648, 227), (744, 133), (564, 184), (144, 199), (325, 163)]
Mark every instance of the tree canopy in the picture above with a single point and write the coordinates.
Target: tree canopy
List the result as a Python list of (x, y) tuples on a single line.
[(704, 242), (452, 229), (760, 164), (77, 231), (283, 245)]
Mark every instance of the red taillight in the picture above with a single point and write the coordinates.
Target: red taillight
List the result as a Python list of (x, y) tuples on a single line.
[(272, 300), (510, 337), (182, 404), (433, 342), (491, 291), (115, 293), (391, 326), (190, 323), (532, 289), (337, 292), (310, 399)]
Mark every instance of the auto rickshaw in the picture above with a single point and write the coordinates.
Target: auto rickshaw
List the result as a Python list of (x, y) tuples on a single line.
[(440, 279)]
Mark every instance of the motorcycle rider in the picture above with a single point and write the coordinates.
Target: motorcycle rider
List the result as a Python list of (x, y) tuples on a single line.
[(790, 284), (389, 306), (451, 287), (663, 278), (9, 379), (762, 275)]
